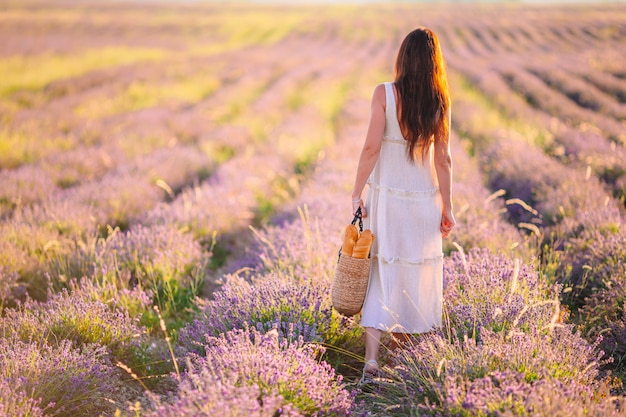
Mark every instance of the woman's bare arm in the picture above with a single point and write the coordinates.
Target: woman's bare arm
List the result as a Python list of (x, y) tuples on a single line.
[(443, 166), (371, 148)]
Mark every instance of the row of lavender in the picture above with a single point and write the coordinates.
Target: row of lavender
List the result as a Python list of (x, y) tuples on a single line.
[(557, 149)]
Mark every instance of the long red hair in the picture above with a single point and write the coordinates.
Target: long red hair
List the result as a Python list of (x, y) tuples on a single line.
[(422, 86)]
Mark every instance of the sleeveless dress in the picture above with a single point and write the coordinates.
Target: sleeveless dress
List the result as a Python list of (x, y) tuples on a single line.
[(404, 209)]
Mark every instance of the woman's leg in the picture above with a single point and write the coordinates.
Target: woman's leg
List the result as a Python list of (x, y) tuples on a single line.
[(372, 343)]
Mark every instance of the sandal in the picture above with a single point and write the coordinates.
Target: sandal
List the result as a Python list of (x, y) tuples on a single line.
[(370, 371)]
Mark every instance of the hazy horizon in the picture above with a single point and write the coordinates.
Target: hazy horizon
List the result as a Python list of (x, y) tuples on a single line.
[(314, 2)]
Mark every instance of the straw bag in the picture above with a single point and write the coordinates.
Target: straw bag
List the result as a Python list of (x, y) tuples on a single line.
[(351, 279)]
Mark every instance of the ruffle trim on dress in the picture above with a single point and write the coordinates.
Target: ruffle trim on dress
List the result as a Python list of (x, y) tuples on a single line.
[(406, 261), (394, 139), (400, 191)]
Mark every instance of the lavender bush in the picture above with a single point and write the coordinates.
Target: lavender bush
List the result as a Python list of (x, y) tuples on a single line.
[(94, 315), (60, 213), (443, 375), (532, 177), (175, 167), (8, 285), (63, 380), (294, 309), (491, 291), (480, 223), (84, 163), (118, 199), (478, 211), (23, 186), (202, 394), (150, 254), (590, 149), (592, 261), (605, 82), (585, 95), (17, 404), (489, 296), (133, 302), (579, 203), (509, 394), (161, 259), (122, 195), (300, 248), (603, 317), (585, 220), (277, 367), (237, 184), (71, 318), (23, 251)]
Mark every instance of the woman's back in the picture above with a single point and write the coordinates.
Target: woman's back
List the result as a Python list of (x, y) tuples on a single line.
[(394, 169)]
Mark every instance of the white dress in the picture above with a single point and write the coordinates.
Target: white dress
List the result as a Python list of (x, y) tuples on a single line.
[(404, 212)]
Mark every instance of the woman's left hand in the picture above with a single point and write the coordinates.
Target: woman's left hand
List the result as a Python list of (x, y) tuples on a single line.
[(447, 222)]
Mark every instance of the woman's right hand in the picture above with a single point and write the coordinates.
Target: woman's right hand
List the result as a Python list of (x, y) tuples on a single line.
[(355, 206), (447, 222)]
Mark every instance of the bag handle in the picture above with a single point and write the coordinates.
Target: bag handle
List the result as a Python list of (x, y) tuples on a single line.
[(358, 216)]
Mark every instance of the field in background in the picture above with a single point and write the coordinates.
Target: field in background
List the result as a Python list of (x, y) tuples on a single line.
[(194, 157)]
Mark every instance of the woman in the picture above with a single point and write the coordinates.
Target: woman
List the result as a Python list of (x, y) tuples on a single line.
[(406, 163)]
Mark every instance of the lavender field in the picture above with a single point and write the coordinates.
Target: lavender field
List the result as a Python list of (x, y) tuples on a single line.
[(174, 181)]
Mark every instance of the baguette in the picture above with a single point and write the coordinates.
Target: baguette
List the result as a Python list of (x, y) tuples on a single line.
[(349, 240), (363, 245)]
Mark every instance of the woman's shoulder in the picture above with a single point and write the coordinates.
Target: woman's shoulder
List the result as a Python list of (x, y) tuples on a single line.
[(380, 93), (383, 86)]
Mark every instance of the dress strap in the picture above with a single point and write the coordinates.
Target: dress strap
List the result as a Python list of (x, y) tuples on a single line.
[(392, 127), (390, 107)]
